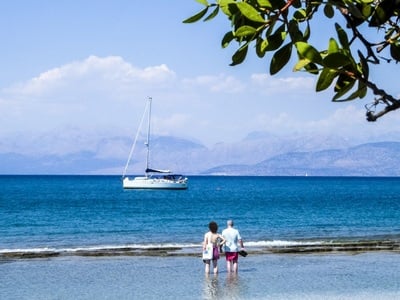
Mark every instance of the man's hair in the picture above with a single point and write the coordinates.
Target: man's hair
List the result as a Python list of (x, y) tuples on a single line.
[(229, 222)]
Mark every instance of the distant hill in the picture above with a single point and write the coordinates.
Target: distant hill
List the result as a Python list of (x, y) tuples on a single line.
[(258, 154), (167, 153), (372, 159), (77, 163)]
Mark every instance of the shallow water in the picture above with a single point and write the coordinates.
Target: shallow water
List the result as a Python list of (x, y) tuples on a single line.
[(334, 276)]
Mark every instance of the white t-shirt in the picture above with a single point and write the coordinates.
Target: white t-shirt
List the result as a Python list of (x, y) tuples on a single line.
[(232, 237)]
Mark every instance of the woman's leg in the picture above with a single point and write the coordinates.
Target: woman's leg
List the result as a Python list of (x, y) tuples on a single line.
[(207, 266), (215, 265)]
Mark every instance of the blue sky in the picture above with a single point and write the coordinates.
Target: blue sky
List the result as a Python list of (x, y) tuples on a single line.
[(74, 73)]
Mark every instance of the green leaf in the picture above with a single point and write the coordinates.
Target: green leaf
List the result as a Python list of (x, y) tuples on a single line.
[(359, 93), (336, 60), (296, 3), (343, 85), (325, 79), (213, 14), (300, 14), (305, 50), (228, 37), (280, 59), (307, 65), (226, 6), (239, 55), (307, 32), (301, 64), (264, 3), (333, 46), (366, 10), (295, 32), (362, 89), (245, 31), (260, 47), (196, 17), (312, 68), (382, 13), (277, 4), (204, 2), (343, 39), (342, 81), (250, 12), (354, 11), (395, 51), (328, 11), (275, 40)]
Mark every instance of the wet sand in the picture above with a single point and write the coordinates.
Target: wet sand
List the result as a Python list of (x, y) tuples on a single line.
[(329, 275)]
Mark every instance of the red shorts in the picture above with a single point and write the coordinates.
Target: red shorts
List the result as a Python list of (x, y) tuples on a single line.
[(231, 256)]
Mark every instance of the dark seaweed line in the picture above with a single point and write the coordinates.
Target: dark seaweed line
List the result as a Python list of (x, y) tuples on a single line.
[(334, 247), (359, 246)]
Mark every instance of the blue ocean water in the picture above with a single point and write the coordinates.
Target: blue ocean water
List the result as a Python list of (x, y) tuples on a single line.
[(88, 212)]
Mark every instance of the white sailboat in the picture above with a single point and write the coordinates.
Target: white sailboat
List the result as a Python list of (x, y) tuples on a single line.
[(153, 178)]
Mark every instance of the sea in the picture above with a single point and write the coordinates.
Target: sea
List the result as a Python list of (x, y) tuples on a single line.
[(85, 237)]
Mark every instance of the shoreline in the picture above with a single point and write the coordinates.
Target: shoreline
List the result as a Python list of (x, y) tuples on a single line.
[(353, 247)]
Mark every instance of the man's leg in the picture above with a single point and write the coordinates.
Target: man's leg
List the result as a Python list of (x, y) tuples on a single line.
[(235, 266), (228, 266)]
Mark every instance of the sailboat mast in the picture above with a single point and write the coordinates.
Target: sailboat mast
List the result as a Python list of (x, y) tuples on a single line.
[(136, 139), (148, 136)]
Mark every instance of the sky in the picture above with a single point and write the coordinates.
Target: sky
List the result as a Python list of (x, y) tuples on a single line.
[(74, 73)]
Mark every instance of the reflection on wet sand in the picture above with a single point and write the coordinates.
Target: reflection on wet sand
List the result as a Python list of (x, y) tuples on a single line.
[(222, 286)]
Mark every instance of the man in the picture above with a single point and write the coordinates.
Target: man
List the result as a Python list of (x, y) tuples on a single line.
[(233, 240)]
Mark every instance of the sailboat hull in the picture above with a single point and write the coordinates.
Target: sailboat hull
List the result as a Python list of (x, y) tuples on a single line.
[(154, 183)]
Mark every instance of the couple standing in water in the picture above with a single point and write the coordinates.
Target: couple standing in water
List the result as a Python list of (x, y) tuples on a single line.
[(230, 240)]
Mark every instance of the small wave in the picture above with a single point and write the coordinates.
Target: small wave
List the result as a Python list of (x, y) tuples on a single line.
[(101, 248), (282, 243)]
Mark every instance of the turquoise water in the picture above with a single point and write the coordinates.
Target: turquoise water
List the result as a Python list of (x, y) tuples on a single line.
[(74, 215), (38, 212)]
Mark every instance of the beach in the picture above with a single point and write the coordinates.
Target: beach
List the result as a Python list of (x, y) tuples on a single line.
[(84, 237), (370, 275)]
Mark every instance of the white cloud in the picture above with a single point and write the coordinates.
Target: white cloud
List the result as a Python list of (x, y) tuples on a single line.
[(109, 74), (347, 121), (286, 83), (93, 92), (344, 119)]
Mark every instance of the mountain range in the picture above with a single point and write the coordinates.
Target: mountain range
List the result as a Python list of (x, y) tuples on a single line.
[(258, 154)]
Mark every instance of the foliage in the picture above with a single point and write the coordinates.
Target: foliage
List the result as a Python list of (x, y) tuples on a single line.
[(281, 27)]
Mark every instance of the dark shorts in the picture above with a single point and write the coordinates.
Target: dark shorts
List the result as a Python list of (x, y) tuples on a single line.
[(231, 256)]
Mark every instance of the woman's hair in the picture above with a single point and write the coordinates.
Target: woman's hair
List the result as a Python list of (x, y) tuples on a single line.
[(213, 227)]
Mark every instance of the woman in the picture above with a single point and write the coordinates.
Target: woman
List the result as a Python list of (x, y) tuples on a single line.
[(212, 237)]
